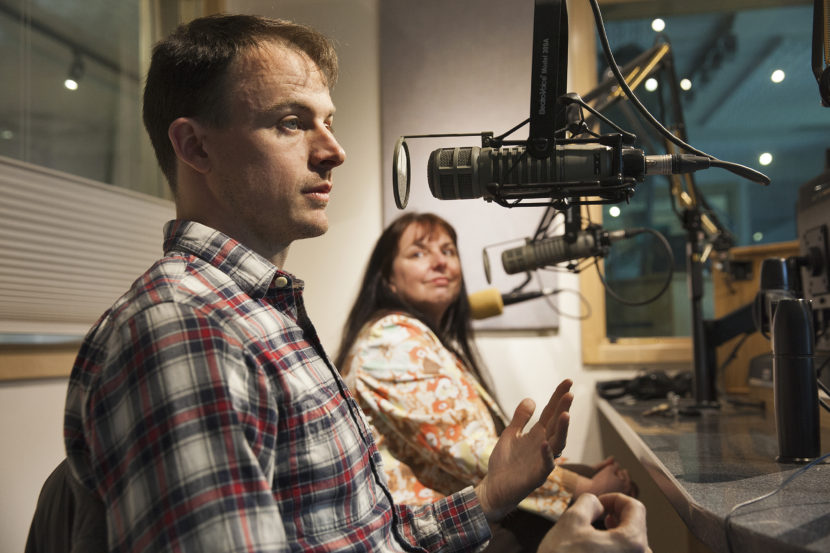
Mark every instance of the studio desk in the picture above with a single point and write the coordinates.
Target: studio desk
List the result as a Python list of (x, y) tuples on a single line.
[(706, 465)]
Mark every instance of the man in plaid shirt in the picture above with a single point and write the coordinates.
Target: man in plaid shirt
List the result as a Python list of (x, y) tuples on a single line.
[(202, 409)]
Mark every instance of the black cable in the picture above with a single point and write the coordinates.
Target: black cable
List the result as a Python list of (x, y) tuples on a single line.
[(823, 387), (799, 472), (721, 372), (741, 170), (733, 353), (821, 367), (666, 284), (548, 217)]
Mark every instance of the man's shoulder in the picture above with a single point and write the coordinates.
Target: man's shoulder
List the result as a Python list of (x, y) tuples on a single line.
[(175, 286), (177, 279)]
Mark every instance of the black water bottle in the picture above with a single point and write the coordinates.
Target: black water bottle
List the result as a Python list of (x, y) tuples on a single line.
[(794, 374)]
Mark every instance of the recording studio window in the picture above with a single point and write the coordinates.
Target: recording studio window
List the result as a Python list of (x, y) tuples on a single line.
[(743, 86), (70, 99)]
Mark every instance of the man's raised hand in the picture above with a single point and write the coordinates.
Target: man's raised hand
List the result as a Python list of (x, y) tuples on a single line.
[(521, 461)]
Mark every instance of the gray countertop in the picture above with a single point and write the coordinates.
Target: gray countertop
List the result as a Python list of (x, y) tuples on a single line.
[(707, 464)]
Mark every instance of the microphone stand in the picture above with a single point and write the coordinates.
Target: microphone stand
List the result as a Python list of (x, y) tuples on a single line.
[(704, 372), (696, 224)]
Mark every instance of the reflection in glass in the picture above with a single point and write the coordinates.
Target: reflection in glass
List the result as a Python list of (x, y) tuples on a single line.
[(71, 93), (731, 110)]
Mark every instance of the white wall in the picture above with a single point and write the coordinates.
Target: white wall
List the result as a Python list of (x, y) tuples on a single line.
[(31, 426), (522, 365)]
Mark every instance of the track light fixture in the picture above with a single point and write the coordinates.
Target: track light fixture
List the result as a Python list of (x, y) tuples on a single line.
[(76, 72)]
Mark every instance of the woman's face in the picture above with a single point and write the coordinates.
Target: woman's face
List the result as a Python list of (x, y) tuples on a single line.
[(426, 271)]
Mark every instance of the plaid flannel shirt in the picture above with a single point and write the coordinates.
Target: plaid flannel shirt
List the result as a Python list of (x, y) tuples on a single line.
[(205, 413)]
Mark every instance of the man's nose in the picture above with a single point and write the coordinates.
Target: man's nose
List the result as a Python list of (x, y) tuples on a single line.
[(326, 150)]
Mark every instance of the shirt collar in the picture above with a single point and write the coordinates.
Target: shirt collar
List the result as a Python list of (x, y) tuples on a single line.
[(252, 272)]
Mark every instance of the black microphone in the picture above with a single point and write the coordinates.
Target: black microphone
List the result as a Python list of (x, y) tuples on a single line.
[(550, 251), (465, 172)]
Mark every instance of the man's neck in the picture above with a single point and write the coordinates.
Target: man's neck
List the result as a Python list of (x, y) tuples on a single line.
[(279, 258)]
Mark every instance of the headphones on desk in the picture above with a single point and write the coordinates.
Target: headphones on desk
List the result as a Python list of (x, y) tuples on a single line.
[(651, 385)]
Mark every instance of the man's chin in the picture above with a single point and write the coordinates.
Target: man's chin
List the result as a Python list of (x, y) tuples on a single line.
[(315, 229)]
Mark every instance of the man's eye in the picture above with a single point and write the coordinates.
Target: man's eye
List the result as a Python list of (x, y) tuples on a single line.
[(290, 123)]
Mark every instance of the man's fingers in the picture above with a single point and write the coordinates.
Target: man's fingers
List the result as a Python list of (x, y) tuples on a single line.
[(553, 404), (587, 508), (557, 439), (623, 510)]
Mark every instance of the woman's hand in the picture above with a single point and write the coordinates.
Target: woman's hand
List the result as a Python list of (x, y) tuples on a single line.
[(609, 478)]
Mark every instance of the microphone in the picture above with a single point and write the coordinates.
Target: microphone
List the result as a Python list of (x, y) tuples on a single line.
[(550, 251), (490, 302), (466, 172)]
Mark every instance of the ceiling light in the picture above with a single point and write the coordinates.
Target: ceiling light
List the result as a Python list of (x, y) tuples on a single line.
[(685, 84), (765, 158), (758, 236), (658, 25), (614, 211), (777, 76), (651, 84), (76, 72)]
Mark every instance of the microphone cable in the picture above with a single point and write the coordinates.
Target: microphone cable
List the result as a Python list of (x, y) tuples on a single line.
[(582, 299), (822, 385), (728, 520), (669, 274), (736, 168)]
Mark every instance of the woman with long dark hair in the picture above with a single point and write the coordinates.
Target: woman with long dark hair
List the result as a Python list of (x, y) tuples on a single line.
[(408, 355)]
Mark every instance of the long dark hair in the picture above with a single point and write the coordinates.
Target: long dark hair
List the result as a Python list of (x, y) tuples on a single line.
[(376, 299)]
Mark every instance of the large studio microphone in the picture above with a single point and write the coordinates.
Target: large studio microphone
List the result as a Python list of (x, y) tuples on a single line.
[(490, 302), (465, 172), (591, 242)]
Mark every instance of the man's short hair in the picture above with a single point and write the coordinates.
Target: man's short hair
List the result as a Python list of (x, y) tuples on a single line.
[(187, 71)]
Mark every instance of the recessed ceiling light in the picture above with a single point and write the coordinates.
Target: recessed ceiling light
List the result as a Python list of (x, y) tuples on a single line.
[(614, 211), (651, 84), (777, 76), (658, 25), (685, 84), (765, 158)]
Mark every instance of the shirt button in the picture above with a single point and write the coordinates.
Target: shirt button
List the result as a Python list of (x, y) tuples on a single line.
[(281, 282)]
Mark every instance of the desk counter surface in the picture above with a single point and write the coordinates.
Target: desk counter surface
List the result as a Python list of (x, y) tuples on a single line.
[(707, 464)]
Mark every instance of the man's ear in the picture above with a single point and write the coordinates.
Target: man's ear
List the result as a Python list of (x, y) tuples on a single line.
[(186, 137)]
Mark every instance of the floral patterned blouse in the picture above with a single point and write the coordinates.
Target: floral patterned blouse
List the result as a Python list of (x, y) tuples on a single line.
[(432, 419)]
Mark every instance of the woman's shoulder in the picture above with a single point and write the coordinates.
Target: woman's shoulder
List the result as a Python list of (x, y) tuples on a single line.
[(398, 319), (395, 329)]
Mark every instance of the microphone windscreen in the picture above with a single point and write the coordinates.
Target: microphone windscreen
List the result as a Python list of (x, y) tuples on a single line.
[(486, 303)]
